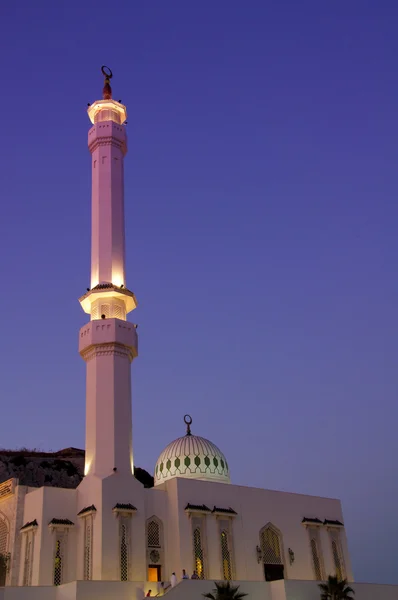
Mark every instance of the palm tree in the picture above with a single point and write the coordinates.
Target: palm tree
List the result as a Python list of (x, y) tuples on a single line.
[(225, 591), (336, 589)]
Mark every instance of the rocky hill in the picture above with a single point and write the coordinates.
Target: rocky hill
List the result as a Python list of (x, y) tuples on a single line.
[(64, 468)]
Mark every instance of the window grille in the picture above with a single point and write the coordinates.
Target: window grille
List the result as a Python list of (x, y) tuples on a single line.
[(87, 548), (105, 310), (315, 560), (198, 553), (153, 534), (337, 553), (271, 546), (337, 560), (118, 311), (124, 552), (27, 560), (226, 556), (3, 537), (58, 563)]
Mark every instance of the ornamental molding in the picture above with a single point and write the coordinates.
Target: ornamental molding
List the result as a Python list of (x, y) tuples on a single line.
[(31, 526), (108, 141), (110, 349), (124, 509)]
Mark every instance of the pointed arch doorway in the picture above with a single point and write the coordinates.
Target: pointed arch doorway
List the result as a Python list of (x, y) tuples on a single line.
[(272, 553)]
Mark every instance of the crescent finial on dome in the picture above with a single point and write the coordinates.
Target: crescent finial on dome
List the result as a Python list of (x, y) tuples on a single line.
[(188, 423)]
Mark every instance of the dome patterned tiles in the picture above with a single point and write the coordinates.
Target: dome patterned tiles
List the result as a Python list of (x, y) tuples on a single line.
[(193, 457)]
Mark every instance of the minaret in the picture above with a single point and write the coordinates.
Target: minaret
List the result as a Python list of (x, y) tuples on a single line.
[(108, 343)]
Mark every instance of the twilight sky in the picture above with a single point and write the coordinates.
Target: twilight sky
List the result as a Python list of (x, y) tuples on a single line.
[(261, 214)]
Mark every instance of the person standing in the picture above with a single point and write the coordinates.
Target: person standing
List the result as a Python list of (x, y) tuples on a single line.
[(173, 580)]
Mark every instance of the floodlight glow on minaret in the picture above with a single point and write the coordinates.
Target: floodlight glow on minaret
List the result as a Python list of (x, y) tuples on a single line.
[(108, 343)]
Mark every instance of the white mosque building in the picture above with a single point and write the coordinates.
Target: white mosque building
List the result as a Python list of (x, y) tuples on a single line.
[(112, 537)]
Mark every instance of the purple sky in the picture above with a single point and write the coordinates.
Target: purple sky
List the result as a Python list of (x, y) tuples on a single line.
[(261, 208)]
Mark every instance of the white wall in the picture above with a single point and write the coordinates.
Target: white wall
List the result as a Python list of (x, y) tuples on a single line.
[(255, 508), (189, 590), (33, 510), (99, 590), (278, 590), (193, 590), (374, 591), (29, 593), (309, 590), (58, 503)]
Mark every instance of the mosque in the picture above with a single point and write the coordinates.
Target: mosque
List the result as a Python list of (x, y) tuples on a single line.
[(113, 535)]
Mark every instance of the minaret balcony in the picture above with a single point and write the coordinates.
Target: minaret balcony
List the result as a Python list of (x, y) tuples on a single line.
[(107, 110), (106, 301), (108, 335)]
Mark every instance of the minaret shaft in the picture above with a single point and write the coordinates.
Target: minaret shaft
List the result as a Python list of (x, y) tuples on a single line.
[(108, 236), (108, 346), (108, 343)]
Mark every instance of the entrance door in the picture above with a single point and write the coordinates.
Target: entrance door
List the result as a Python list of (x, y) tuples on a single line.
[(154, 573), (273, 572)]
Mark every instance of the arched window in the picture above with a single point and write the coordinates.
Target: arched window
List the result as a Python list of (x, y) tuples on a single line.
[(198, 553), (27, 569), (270, 546), (58, 562), (316, 553), (154, 540), (153, 534), (316, 560), (124, 549), (337, 553), (272, 553), (87, 547), (226, 555), (337, 561)]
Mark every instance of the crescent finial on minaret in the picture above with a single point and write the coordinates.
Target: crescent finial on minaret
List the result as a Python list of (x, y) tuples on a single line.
[(107, 90)]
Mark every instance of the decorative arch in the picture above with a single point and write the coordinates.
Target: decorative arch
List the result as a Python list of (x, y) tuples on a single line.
[(271, 544), (155, 548)]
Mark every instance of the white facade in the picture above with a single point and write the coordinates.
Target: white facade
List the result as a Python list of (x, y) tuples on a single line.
[(179, 508), (111, 536)]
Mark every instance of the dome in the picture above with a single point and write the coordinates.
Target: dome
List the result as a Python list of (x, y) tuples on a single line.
[(192, 457)]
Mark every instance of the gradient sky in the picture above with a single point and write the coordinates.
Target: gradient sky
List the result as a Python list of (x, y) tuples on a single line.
[(261, 214)]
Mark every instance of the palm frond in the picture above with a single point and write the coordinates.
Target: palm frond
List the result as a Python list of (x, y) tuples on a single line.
[(225, 591)]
